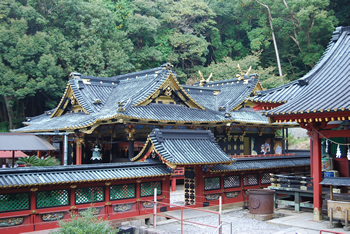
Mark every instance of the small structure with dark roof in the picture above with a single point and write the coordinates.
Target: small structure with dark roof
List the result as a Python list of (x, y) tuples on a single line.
[(23, 141), (183, 147)]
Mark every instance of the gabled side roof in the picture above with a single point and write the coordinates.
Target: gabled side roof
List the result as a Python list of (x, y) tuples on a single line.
[(183, 147), (326, 88)]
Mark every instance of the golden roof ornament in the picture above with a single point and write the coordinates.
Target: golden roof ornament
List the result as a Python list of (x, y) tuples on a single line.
[(246, 75), (203, 81)]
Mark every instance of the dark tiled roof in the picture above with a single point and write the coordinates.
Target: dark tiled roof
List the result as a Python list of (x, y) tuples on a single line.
[(30, 176), (125, 96), (172, 113), (326, 88), (246, 164), (181, 147), (231, 94), (72, 120), (87, 94)]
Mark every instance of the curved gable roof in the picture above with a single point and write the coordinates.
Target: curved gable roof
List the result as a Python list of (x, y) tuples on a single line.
[(326, 88), (184, 147)]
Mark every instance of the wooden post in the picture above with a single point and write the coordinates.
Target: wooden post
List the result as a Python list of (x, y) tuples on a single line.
[(331, 192), (173, 184), (33, 204), (317, 175), (78, 150), (311, 156), (166, 189), (13, 159), (199, 186)]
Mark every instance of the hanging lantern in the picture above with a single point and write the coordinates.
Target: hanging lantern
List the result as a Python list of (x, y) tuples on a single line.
[(96, 153)]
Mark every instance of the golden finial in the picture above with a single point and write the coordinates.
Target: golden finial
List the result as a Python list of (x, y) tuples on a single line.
[(242, 75), (203, 81)]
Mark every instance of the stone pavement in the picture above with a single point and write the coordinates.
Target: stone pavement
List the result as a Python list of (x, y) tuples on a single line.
[(301, 222)]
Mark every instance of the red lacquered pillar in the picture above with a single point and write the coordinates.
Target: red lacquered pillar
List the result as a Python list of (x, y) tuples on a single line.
[(317, 175)]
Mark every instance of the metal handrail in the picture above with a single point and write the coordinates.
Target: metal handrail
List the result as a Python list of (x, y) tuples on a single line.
[(220, 226)]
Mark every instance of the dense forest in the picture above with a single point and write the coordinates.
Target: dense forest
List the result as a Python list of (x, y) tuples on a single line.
[(43, 41)]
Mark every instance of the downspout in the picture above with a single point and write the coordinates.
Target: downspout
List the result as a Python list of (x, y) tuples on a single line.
[(65, 150), (65, 140)]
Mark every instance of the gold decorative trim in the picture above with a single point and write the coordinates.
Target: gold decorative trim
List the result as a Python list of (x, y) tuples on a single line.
[(173, 84), (142, 151), (33, 211), (34, 189), (108, 183), (108, 203), (73, 186), (68, 95), (73, 207)]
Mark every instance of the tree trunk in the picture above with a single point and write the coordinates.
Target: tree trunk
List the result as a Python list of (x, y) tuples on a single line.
[(9, 110), (273, 38), (4, 116)]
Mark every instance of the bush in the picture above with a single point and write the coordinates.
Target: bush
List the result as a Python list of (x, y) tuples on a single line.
[(86, 223), (38, 162)]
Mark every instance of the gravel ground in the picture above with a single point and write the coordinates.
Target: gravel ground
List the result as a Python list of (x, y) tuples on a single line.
[(240, 225)]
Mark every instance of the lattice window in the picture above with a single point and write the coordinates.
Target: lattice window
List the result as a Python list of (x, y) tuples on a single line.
[(212, 183), (14, 201), (265, 178), (52, 198), (89, 195), (122, 191), (232, 181), (147, 189), (251, 179)]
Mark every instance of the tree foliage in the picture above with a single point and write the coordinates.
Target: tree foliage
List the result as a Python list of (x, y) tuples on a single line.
[(35, 161), (86, 222), (41, 42)]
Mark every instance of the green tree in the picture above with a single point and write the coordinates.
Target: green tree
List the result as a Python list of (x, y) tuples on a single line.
[(303, 29), (341, 10), (87, 222), (229, 68), (27, 65), (85, 38)]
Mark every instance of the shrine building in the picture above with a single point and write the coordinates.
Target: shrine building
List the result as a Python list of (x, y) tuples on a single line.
[(320, 103)]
